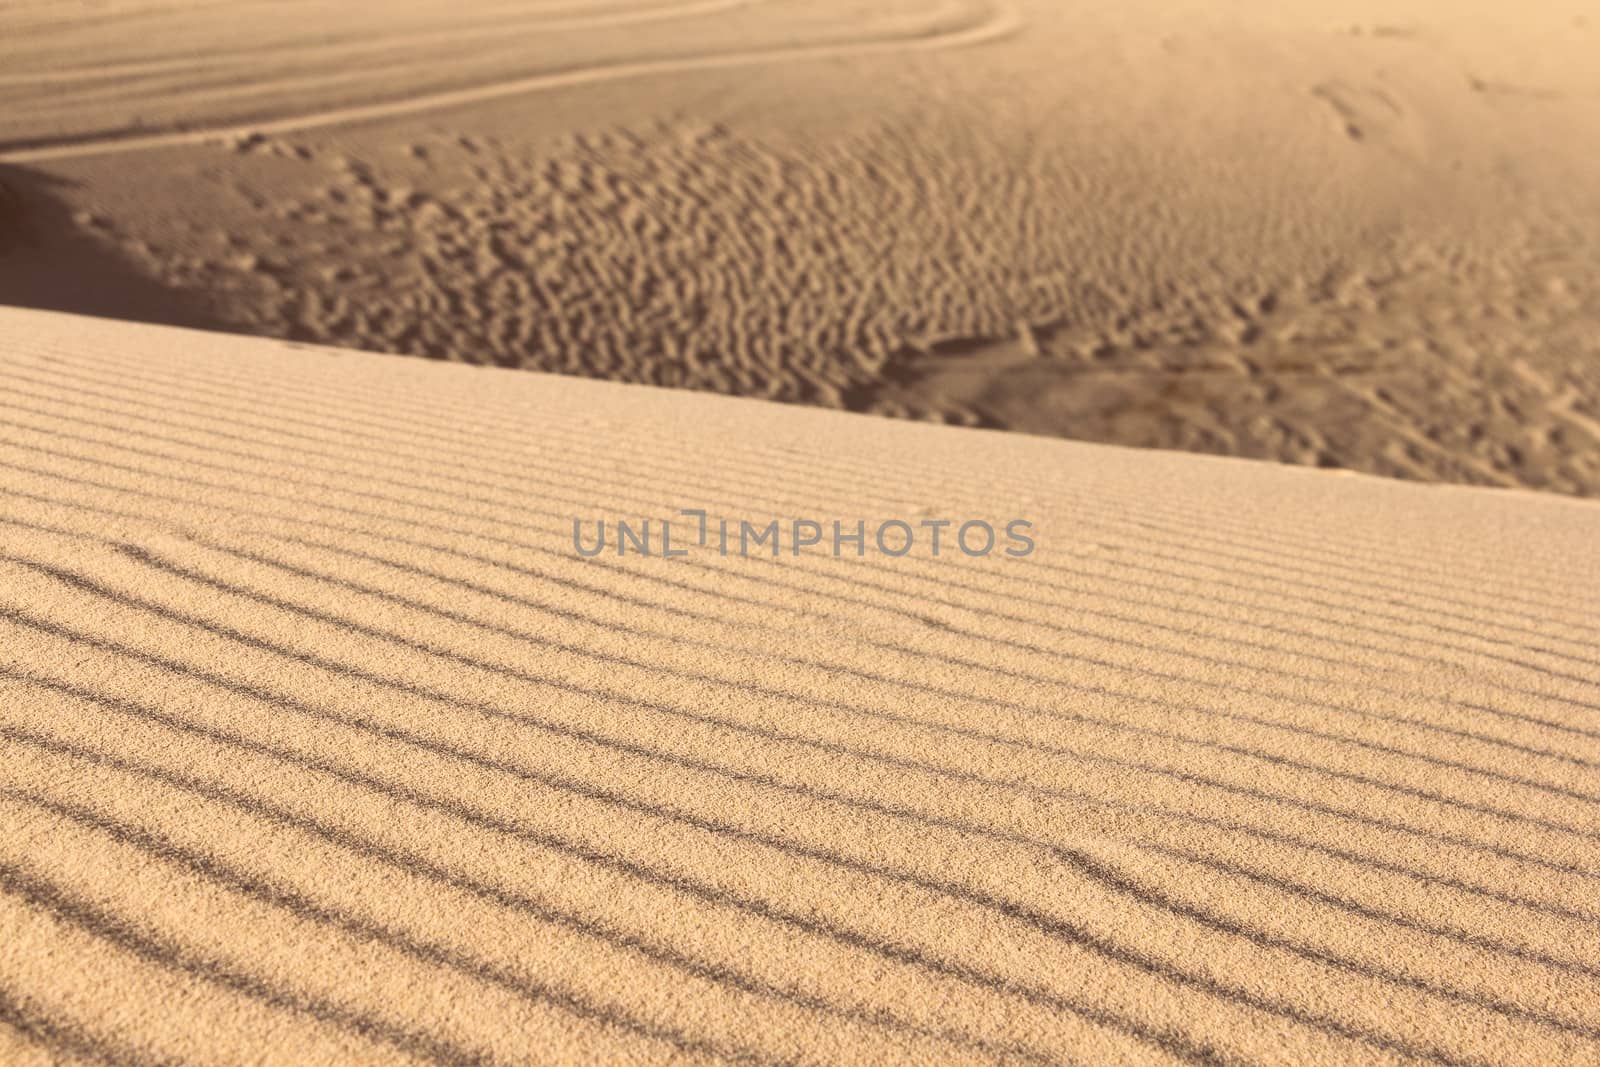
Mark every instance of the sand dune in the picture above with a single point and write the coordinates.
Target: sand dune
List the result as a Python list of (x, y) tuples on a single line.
[(339, 724), (321, 743)]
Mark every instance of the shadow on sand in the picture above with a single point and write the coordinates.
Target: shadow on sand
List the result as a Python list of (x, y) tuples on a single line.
[(49, 261)]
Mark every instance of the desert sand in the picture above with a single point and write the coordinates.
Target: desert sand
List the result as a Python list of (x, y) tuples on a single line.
[(325, 739), (1353, 235), (322, 744)]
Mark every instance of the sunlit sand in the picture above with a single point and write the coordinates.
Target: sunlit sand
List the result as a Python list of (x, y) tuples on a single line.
[(334, 730)]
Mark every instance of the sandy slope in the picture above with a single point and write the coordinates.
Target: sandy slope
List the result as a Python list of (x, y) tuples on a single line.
[(1361, 235), (186, 74), (319, 743)]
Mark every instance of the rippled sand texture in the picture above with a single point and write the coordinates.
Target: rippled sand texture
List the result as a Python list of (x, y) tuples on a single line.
[(320, 744), (1359, 236)]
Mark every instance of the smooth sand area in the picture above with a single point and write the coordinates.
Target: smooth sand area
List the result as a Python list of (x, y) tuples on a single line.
[(320, 744)]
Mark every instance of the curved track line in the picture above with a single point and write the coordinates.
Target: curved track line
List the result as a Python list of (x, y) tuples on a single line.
[(550, 24), (1000, 22)]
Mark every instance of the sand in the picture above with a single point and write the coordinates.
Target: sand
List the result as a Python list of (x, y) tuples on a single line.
[(1356, 235), (322, 744), (326, 737)]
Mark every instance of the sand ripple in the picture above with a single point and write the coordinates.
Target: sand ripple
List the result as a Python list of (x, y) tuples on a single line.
[(320, 744)]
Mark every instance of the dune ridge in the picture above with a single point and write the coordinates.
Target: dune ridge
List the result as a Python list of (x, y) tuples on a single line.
[(321, 743)]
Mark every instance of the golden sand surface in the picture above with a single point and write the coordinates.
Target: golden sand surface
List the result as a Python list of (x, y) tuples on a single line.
[(319, 743)]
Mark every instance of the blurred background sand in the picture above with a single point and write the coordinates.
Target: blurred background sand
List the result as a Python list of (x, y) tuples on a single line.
[(1346, 235)]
